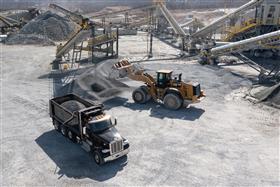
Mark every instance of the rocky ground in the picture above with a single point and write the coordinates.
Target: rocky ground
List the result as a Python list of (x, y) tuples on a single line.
[(224, 140)]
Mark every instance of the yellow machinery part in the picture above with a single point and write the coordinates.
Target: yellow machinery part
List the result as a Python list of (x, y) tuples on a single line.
[(65, 66), (248, 24)]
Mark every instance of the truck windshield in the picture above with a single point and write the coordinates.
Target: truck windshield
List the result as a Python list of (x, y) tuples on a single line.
[(100, 125)]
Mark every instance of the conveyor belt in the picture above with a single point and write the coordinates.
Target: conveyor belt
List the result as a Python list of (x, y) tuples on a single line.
[(272, 39), (122, 11), (171, 20), (219, 23), (77, 38), (75, 17)]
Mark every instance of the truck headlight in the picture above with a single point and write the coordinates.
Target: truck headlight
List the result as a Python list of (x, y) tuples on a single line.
[(125, 142), (105, 150)]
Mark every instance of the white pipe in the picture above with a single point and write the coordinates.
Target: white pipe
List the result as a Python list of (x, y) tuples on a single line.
[(251, 43)]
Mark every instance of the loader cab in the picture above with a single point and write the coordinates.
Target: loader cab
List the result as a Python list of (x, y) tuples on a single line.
[(163, 78)]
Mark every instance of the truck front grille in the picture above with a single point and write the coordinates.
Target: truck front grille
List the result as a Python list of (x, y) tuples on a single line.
[(116, 147)]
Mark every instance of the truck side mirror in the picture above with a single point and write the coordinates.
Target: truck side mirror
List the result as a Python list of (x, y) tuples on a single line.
[(180, 77), (84, 130), (116, 121)]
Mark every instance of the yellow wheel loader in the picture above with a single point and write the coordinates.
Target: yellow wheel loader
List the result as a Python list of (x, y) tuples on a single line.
[(172, 92)]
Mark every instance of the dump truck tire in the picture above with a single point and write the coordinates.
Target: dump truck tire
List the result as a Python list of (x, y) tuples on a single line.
[(146, 90), (64, 130), (56, 125), (98, 158), (139, 96), (172, 101), (71, 136)]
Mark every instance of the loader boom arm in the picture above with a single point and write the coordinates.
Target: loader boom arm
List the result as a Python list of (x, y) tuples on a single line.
[(138, 75)]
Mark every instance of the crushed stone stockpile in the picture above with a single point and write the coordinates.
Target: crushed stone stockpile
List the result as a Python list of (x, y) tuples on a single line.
[(28, 39), (270, 95), (73, 105), (47, 25), (50, 25), (94, 84)]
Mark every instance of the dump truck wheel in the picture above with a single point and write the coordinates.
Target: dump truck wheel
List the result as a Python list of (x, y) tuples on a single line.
[(71, 136), (63, 130), (56, 125), (98, 158), (172, 101), (139, 96), (146, 90)]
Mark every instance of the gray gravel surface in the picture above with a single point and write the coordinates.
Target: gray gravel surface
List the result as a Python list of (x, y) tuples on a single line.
[(224, 140)]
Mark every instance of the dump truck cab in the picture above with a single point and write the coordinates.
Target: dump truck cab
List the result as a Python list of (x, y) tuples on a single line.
[(163, 78)]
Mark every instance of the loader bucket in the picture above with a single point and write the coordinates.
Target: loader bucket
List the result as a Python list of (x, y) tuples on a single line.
[(123, 68), (123, 64)]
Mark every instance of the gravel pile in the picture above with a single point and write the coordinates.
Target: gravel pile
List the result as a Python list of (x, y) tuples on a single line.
[(95, 83), (44, 29), (270, 95), (73, 105), (274, 99), (28, 39), (50, 25)]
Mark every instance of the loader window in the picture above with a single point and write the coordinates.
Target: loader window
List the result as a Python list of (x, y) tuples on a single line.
[(163, 79)]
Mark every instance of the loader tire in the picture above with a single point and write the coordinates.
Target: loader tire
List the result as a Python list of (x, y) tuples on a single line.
[(172, 101), (146, 90), (139, 96)]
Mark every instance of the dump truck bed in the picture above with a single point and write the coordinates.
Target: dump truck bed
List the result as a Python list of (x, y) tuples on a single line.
[(66, 109)]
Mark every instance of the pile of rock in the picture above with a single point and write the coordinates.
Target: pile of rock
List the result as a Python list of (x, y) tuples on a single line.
[(270, 95), (44, 29)]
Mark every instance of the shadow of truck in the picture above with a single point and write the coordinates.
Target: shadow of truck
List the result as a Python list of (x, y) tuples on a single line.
[(73, 162)]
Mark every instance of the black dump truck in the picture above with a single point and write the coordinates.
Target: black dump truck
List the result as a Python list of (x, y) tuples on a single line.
[(86, 123)]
